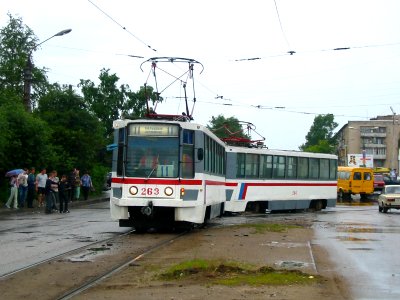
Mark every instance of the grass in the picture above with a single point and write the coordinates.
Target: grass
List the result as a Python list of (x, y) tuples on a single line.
[(266, 227), (234, 273)]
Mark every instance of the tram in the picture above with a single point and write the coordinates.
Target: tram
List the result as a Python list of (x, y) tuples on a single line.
[(261, 179), (166, 173)]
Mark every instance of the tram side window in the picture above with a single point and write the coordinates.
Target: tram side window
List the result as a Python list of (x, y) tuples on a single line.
[(266, 166), (241, 165), (251, 170), (314, 168), (332, 169), (279, 164), (120, 158), (324, 169), (206, 154), (303, 168), (214, 156), (291, 170), (187, 154)]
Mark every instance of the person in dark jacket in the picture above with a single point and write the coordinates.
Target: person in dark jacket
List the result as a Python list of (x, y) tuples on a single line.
[(31, 187), (63, 189)]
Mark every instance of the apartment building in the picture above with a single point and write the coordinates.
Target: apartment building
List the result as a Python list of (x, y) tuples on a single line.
[(377, 138)]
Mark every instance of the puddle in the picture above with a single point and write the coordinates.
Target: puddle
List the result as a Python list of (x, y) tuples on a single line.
[(367, 229), (283, 245), (292, 264), (362, 249), (90, 254), (354, 239)]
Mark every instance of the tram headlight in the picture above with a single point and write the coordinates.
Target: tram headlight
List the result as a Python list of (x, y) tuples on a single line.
[(168, 191), (182, 192), (133, 190)]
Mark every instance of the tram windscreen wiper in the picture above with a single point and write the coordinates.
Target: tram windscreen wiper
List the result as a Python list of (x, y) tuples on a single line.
[(155, 166)]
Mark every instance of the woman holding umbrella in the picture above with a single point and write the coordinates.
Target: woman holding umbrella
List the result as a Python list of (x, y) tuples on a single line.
[(14, 192)]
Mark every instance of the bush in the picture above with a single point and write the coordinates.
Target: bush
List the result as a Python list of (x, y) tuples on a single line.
[(98, 175)]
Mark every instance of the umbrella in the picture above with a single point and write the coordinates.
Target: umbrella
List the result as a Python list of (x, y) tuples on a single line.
[(14, 172)]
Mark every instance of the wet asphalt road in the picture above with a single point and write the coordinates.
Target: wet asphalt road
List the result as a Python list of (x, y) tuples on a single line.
[(363, 243), (365, 246), (30, 237)]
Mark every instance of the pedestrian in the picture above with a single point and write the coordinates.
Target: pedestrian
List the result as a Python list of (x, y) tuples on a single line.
[(31, 187), (49, 192), (77, 185), (22, 187), (54, 189), (14, 192), (41, 179), (87, 185), (63, 188), (71, 185)]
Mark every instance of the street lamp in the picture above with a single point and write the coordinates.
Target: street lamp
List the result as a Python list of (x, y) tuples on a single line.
[(28, 71)]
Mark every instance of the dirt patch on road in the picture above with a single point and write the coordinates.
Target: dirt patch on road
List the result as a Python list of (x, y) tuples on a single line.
[(236, 261)]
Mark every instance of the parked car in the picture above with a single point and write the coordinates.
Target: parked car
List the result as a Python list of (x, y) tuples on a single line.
[(389, 181), (354, 180), (379, 183), (389, 198)]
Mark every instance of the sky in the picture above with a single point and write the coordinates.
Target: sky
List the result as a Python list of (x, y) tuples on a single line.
[(244, 48)]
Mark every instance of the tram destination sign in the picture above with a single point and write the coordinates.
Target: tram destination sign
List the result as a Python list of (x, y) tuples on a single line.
[(153, 130)]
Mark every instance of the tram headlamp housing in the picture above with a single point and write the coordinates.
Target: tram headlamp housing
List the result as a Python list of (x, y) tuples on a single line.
[(133, 190), (168, 191), (182, 191)]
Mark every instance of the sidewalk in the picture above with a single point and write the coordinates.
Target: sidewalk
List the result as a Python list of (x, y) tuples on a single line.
[(104, 196)]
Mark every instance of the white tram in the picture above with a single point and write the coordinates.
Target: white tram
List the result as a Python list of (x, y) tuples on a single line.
[(263, 179), (166, 173)]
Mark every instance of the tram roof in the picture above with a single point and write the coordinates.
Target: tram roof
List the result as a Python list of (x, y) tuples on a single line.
[(186, 125), (278, 152)]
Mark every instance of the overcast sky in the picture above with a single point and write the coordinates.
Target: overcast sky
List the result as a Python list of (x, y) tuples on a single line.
[(279, 93)]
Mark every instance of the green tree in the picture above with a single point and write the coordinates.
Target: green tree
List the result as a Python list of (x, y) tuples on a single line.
[(24, 140), (109, 102), (320, 137), (17, 41), (226, 127), (76, 134)]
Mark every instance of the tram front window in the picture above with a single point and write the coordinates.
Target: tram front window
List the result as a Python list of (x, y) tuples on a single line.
[(152, 151), (152, 157)]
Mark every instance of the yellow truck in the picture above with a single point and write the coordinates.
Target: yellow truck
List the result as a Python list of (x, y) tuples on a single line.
[(355, 180)]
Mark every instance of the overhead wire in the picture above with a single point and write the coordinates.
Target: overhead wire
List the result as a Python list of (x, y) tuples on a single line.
[(280, 23), (123, 27)]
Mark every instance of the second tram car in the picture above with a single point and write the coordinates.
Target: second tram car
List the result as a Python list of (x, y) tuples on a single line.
[(261, 179), (165, 173)]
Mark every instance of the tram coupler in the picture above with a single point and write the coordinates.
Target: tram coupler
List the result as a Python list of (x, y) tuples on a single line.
[(147, 210)]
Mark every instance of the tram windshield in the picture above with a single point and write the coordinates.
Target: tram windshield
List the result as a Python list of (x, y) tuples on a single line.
[(152, 151)]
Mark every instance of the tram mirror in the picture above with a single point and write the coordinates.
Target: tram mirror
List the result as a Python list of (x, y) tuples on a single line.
[(200, 154)]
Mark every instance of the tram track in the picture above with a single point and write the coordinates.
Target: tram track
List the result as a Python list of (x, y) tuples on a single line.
[(61, 255), (64, 276), (117, 268)]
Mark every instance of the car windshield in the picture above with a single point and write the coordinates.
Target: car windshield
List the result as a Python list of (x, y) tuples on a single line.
[(393, 190)]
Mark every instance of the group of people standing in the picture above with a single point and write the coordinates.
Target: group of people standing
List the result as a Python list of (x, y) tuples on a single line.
[(49, 188)]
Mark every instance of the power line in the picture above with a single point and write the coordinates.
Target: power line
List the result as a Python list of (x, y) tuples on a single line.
[(280, 23), (289, 53), (123, 27)]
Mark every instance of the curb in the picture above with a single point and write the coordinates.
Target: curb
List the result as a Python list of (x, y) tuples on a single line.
[(101, 198)]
